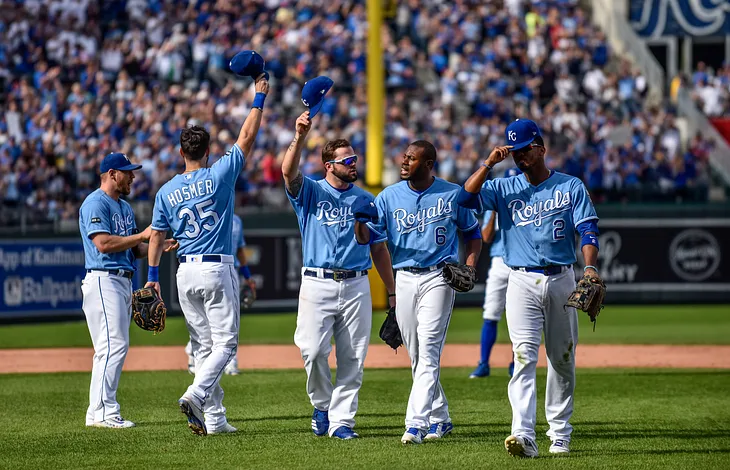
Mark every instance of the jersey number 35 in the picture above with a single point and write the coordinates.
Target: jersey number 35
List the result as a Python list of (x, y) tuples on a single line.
[(202, 219)]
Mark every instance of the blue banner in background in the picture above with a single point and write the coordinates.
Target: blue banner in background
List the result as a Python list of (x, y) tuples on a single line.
[(658, 18), (41, 277)]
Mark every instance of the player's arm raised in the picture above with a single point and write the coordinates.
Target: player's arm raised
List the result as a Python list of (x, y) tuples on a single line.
[(469, 194), (250, 127), (293, 178)]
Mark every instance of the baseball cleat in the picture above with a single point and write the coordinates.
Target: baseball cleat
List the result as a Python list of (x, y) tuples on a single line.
[(320, 422), (344, 433), (194, 414), (518, 446), (191, 365), (482, 370), (231, 367), (439, 430), (412, 436), (116, 422), (511, 369), (560, 446), (226, 428)]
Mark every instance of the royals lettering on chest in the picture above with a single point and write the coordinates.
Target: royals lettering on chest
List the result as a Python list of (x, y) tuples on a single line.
[(406, 222), (190, 191), (332, 215), (122, 224), (526, 214)]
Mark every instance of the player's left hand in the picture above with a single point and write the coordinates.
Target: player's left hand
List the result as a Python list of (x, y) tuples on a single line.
[(171, 244), (156, 287)]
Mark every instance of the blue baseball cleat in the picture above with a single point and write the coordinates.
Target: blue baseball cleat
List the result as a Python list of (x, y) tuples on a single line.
[(320, 422), (344, 433), (482, 370)]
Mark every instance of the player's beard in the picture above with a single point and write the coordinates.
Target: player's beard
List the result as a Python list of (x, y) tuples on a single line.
[(347, 176)]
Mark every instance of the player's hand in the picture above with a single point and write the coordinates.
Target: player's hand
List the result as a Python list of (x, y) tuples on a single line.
[(391, 301), (592, 272), (498, 155), (171, 244), (303, 124), (146, 234), (156, 287), (252, 284), (262, 85)]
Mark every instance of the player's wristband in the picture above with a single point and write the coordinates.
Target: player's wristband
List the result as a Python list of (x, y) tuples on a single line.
[(258, 101), (592, 267), (153, 274), (245, 272), (488, 167), (391, 295)]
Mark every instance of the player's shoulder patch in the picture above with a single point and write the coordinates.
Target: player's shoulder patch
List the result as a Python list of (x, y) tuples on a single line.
[(96, 220)]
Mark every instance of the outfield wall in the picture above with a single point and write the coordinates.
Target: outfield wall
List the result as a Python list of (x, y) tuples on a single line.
[(642, 259)]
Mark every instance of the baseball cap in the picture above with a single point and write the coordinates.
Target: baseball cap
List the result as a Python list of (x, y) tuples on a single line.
[(117, 161), (313, 93), (520, 133), (248, 64)]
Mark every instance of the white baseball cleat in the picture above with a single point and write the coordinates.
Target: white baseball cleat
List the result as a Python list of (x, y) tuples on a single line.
[(231, 367), (196, 422), (437, 431), (226, 428), (115, 422), (560, 446), (412, 436), (518, 446)]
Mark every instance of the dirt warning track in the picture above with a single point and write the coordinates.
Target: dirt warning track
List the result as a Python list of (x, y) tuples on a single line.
[(379, 356)]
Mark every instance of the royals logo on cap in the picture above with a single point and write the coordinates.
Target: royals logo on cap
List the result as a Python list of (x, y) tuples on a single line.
[(117, 161), (520, 133)]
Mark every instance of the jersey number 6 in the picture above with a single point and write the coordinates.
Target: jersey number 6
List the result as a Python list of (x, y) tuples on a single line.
[(203, 214), (440, 236)]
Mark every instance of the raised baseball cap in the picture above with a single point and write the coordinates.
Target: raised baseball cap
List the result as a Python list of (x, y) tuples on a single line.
[(520, 133), (313, 93), (248, 64), (117, 161)]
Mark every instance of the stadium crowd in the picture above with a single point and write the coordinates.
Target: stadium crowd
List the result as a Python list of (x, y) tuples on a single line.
[(81, 78)]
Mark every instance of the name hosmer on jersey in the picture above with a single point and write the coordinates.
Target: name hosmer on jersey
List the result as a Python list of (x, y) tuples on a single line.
[(190, 191)]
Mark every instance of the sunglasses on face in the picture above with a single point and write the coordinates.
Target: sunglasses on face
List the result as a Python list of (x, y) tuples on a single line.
[(347, 161)]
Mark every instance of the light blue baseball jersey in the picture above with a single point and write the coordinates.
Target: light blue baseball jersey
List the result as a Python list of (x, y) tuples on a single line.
[(497, 247), (99, 213), (198, 206), (328, 226), (421, 227), (237, 238), (538, 222)]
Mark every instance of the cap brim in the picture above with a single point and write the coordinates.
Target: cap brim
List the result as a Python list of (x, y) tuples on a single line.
[(129, 167), (521, 145)]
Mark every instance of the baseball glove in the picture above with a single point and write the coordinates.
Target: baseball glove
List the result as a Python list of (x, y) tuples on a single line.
[(247, 295), (460, 277), (148, 310), (588, 296), (389, 332)]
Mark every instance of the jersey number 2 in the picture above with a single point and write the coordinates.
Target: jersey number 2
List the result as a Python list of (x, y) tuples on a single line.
[(203, 214), (440, 236), (558, 230)]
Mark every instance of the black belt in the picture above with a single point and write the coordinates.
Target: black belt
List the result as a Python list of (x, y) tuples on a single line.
[(206, 259), (413, 269), (546, 270), (118, 272), (336, 275)]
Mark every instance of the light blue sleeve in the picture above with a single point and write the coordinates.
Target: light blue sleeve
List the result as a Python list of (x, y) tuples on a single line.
[(229, 166), (465, 219), (160, 221), (95, 217), (306, 194), (488, 196), (583, 209)]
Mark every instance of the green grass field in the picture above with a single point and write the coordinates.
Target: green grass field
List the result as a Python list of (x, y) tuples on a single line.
[(667, 324), (623, 419)]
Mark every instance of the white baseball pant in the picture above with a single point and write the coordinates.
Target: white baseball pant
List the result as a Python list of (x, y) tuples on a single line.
[(424, 303), (535, 305), (495, 292), (345, 309), (107, 305), (209, 298)]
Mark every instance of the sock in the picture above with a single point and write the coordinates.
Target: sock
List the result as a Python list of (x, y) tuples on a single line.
[(489, 336)]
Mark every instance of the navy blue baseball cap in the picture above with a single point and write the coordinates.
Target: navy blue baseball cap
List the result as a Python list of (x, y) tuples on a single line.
[(248, 64), (117, 161), (520, 133), (313, 93)]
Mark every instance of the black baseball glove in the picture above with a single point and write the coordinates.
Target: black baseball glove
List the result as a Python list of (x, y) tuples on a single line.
[(460, 277), (148, 310), (389, 332)]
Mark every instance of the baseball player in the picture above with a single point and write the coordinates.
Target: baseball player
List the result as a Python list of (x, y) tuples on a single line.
[(111, 244), (538, 213), (495, 291), (197, 206), (334, 298), (239, 262), (421, 220)]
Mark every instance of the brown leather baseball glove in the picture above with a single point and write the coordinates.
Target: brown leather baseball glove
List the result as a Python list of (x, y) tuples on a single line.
[(148, 310), (588, 296)]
